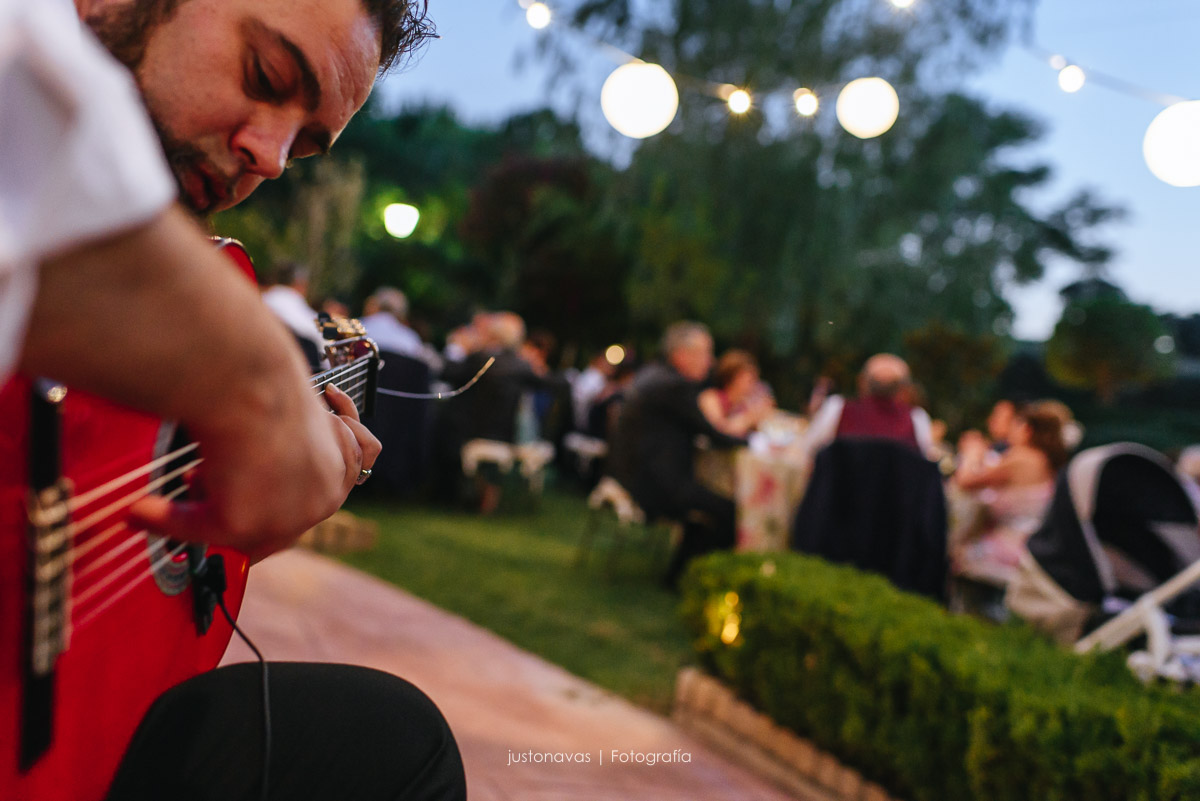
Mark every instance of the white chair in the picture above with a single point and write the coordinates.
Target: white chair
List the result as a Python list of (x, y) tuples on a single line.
[(530, 459), (610, 502)]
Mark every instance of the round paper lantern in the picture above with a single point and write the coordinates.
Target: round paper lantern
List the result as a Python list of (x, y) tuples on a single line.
[(1172, 144), (868, 107), (639, 99), (538, 15)]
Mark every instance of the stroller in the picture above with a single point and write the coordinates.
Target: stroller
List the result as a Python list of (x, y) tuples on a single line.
[(1122, 536)]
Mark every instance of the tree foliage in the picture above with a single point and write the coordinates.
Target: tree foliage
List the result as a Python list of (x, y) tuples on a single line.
[(957, 371), (1107, 344)]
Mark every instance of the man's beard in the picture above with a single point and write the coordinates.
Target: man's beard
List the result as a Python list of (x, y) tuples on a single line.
[(124, 30)]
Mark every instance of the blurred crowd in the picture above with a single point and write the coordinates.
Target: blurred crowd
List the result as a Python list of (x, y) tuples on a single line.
[(641, 425)]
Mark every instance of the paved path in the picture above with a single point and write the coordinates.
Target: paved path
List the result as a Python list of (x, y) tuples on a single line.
[(498, 698)]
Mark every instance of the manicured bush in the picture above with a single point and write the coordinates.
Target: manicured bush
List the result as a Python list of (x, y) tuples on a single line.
[(935, 706)]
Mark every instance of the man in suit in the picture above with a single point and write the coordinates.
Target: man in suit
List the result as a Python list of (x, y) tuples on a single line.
[(653, 447)]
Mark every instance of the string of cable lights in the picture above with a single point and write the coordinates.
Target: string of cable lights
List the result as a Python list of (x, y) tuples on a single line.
[(640, 99)]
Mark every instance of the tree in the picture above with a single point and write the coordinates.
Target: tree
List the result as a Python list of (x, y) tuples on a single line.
[(1107, 344), (555, 246), (958, 371), (800, 236)]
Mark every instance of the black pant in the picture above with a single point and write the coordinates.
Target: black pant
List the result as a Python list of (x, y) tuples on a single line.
[(337, 732), (709, 524)]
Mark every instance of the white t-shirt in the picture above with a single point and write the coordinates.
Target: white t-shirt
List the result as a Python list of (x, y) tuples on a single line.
[(293, 310), (79, 159), (391, 334)]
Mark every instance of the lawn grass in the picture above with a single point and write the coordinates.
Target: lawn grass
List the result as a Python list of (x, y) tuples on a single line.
[(513, 573)]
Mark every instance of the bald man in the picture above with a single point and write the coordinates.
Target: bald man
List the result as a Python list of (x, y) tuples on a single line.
[(879, 412)]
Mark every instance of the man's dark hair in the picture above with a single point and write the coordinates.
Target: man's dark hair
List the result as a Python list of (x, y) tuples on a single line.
[(404, 25)]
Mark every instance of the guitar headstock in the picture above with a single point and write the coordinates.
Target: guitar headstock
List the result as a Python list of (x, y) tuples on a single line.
[(345, 339)]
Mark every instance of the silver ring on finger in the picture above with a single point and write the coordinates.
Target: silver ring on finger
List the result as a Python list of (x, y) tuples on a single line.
[(363, 475)]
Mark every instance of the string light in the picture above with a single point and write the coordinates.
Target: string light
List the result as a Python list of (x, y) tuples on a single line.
[(1071, 78), (739, 101), (538, 15), (641, 100), (806, 102)]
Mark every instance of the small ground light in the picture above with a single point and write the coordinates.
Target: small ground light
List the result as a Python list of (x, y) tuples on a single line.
[(400, 220), (614, 355), (806, 102), (538, 15), (1071, 78), (902, 3), (739, 101)]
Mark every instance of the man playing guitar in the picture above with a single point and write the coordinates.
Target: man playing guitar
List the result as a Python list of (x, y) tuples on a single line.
[(109, 288)]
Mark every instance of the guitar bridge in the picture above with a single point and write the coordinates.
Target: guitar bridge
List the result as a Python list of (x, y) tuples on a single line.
[(50, 533)]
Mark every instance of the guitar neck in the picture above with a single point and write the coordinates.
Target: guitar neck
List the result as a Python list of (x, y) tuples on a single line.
[(357, 378)]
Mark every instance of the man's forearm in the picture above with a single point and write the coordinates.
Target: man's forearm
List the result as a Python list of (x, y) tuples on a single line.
[(155, 318)]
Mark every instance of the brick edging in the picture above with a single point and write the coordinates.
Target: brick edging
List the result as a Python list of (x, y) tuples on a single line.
[(712, 712)]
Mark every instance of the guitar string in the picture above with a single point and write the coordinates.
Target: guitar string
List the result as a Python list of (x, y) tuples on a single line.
[(127, 500), (130, 498), (357, 393), (346, 372), (76, 503), (76, 554), (111, 576), (79, 595), (112, 599)]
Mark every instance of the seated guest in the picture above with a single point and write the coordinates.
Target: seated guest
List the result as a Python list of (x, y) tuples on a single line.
[(490, 409), (652, 450), (879, 411), (1014, 492), (606, 408), (739, 401), (286, 297), (587, 386), (385, 317)]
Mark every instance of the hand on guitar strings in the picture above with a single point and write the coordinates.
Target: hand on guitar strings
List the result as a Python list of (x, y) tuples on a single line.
[(258, 497)]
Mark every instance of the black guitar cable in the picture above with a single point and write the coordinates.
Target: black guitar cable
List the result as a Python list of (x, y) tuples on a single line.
[(266, 697)]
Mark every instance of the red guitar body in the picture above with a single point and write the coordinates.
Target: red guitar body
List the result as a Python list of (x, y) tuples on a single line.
[(135, 641), (125, 656)]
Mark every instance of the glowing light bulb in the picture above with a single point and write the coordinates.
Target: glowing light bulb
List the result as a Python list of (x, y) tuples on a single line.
[(902, 3), (400, 220), (806, 102), (614, 355), (739, 101), (538, 15), (1071, 78)]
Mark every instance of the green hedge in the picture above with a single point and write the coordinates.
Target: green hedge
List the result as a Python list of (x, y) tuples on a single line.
[(931, 705)]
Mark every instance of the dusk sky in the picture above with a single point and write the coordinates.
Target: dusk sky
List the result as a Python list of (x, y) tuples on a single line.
[(483, 66)]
